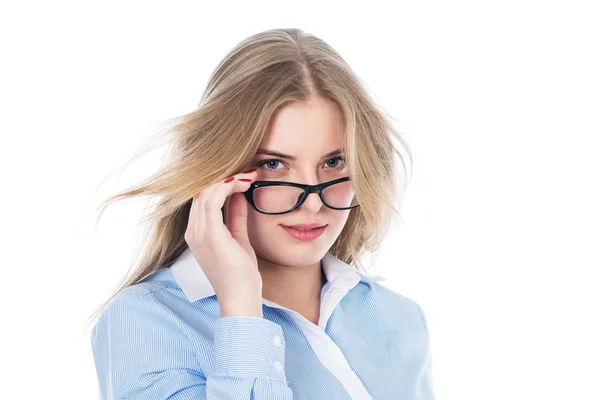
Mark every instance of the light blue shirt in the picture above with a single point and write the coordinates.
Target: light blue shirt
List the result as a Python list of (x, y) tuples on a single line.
[(163, 338)]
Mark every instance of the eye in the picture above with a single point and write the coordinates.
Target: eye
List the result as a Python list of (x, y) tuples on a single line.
[(335, 164), (273, 162), (269, 162)]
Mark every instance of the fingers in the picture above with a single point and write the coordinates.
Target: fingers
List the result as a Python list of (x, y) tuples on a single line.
[(205, 222), (237, 217), (196, 219), (213, 204)]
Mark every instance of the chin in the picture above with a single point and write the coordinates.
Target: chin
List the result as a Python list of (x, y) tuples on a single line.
[(290, 253)]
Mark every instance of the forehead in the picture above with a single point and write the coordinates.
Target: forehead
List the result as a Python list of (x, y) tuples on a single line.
[(304, 129)]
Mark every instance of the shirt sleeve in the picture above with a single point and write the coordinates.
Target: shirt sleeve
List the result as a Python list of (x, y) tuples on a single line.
[(141, 351), (425, 384)]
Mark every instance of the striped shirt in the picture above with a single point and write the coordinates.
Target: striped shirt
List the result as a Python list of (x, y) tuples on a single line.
[(163, 338)]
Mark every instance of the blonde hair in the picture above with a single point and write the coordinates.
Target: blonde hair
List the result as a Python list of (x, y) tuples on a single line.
[(220, 138)]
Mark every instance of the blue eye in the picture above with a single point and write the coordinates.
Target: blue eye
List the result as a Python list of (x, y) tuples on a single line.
[(336, 158), (275, 161), (261, 163)]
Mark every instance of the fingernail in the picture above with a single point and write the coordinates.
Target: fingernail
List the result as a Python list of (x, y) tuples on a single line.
[(247, 172), (245, 180), (228, 179)]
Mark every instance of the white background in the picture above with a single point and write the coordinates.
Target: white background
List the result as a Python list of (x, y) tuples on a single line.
[(499, 102)]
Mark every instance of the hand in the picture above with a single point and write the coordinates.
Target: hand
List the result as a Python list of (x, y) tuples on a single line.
[(224, 251)]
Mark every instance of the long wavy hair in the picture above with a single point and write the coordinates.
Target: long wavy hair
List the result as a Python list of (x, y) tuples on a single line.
[(221, 136)]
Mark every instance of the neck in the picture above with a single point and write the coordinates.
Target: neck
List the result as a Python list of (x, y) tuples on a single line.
[(293, 287)]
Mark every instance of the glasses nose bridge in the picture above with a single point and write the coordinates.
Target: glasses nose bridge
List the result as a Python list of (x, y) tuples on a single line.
[(313, 189)]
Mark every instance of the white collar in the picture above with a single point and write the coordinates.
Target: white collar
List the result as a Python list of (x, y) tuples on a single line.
[(195, 285)]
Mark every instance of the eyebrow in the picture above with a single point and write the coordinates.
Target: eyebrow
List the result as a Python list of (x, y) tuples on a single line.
[(289, 157)]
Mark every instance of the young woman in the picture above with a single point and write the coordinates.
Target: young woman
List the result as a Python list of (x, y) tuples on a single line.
[(250, 286)]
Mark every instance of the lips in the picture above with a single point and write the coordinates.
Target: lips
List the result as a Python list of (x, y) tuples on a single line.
[(306, 234), (305, 227)]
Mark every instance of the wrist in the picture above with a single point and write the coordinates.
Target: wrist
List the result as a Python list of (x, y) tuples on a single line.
[(241, 308)]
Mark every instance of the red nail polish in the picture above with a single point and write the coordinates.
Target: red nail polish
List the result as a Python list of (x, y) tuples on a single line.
[(228, 179), (245, 180), (247, 172)]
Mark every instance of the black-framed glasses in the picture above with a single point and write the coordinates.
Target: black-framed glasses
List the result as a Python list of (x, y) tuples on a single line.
[(275, 197)]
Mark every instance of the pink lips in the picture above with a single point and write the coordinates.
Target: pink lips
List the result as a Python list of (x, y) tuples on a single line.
[(309, 234), (305, 226)]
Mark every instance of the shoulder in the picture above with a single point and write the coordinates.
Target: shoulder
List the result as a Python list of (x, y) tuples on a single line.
[(142, 330), (153, 304), (398, 307)]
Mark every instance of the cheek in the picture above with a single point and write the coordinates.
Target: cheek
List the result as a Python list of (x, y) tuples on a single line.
[(338, 221), (260, 226)]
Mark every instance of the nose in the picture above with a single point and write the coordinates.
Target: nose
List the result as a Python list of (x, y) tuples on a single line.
[(312, 203)]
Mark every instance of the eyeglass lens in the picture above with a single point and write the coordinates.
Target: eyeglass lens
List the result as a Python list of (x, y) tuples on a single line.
[(283, 198)]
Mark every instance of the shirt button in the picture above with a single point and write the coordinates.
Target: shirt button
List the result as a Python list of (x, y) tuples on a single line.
[(278, 366), (277, 341)]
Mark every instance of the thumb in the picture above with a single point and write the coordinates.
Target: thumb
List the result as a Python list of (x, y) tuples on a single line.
[(237, 217)]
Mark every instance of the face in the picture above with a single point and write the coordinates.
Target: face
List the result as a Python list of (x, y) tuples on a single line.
[(308, 132)]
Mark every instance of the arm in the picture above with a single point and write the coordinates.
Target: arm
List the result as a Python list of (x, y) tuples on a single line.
[(141, 351), (424, 386), (249, 360)]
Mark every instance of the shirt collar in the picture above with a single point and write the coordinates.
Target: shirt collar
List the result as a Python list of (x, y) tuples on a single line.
[(195, 285)]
